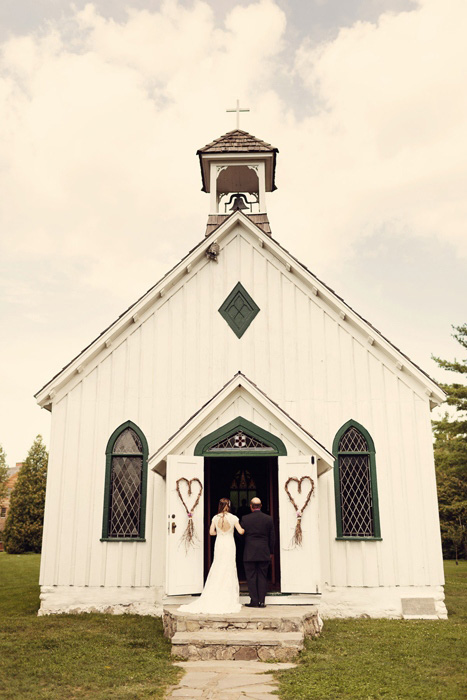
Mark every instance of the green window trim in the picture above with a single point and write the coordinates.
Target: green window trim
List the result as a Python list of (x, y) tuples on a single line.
[(277, 447), (108, 473), (373, 483), (122, 539), (359, 539)]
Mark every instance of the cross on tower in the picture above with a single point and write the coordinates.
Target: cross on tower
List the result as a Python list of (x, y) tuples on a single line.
[(237, 110)]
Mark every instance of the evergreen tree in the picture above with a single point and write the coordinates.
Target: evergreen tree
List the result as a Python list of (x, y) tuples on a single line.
[(3, 474), (23, 528), (451, 457)]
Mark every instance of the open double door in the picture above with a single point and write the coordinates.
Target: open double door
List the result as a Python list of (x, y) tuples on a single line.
[(295, 569)]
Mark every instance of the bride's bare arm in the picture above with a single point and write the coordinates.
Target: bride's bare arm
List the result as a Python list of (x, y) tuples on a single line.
[(239, 528), (212, 529)]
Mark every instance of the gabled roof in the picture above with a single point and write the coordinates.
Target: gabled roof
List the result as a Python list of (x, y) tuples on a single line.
[(401, 361), (239, 381), (237, 141)]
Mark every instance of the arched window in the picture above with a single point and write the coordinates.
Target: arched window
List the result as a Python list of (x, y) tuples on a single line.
[(125, 484), (357, 512)]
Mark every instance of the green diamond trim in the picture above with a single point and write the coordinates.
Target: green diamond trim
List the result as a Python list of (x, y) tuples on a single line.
[(239, 310)]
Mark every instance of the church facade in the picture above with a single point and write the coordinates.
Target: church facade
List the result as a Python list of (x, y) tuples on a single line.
[(241, 374)]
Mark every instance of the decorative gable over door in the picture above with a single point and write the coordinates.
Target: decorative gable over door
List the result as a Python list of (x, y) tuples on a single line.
[(240, 437), (236, 420)]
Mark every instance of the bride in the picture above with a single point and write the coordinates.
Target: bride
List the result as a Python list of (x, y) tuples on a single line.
[(221, 590)]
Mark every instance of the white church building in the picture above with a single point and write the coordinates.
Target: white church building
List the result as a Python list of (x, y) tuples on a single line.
[(241, 374)]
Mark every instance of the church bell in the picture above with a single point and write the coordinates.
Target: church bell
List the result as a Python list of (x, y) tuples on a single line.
[(238, 202)]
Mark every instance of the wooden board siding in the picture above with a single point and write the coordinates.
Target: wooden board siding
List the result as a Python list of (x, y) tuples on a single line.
[(298, 350)]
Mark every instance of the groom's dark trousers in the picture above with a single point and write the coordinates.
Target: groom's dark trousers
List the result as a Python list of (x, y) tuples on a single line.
[(259, 545)]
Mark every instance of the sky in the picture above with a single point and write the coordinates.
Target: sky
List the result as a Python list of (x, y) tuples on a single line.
[(103, 106)]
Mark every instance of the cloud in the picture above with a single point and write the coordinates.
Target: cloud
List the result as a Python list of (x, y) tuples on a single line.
[(389, 133), (103, 117), (101, 120)]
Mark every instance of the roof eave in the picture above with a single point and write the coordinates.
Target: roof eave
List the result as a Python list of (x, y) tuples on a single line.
[(106, 338), (203, 181), (47, 392), (434, 393)]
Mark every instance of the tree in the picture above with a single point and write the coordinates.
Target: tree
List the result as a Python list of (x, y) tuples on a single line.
[(23, 528), (451, 457), (3, 474)]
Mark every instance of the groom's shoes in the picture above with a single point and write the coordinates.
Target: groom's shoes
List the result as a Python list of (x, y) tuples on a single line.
[(251, 605), (261, 605)]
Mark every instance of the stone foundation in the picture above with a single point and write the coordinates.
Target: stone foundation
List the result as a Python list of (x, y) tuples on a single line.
[(387, 601), (336, 602), (98, 599)]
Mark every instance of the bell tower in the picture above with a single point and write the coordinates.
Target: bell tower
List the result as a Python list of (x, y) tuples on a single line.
[(237, 170)]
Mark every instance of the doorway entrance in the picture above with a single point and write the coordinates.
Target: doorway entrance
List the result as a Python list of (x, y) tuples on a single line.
[(240, 479)]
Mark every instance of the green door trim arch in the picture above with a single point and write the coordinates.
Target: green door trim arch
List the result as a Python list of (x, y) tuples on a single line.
[(277, 447)]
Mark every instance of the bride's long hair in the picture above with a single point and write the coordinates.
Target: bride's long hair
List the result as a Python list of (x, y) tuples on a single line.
[(223, 508)]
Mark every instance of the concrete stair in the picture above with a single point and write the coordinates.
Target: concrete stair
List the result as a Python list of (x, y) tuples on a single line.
[(252, 634)]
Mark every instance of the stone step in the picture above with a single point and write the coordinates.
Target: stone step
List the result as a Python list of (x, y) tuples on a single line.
[(279, 600), (260, 634), (277, 619), (278, 624), (262, 645), (240, 637)]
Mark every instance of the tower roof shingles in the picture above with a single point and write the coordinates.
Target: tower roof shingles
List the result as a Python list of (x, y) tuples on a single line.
[(237, 141)]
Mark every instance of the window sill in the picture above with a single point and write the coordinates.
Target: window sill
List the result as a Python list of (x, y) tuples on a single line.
[(123, 539), (360, 539)]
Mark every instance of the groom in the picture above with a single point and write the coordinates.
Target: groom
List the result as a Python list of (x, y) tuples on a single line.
[(259, 547)]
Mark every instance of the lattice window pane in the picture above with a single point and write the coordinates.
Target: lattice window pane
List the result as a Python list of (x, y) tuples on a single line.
[(353, 441), (125, 496), (240, 441), (356, 500), (128, 442)]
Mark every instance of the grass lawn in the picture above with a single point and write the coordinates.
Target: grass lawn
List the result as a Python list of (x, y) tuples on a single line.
[(388, 659), (125, 657), (67, 657)]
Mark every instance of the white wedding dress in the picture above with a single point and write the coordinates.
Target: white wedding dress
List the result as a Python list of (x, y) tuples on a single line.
[(221, 591)]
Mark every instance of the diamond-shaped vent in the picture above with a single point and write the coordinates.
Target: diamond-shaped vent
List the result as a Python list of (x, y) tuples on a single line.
[(239, 310)]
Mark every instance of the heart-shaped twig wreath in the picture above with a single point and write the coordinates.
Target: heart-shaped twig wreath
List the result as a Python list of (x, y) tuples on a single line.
[(189, 535), (297, 538)]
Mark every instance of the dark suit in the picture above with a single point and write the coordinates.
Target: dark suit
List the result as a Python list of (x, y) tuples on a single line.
[(259, 545)]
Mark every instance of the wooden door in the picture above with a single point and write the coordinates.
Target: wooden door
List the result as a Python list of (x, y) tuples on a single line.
[(300, 565), (184, 563)]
